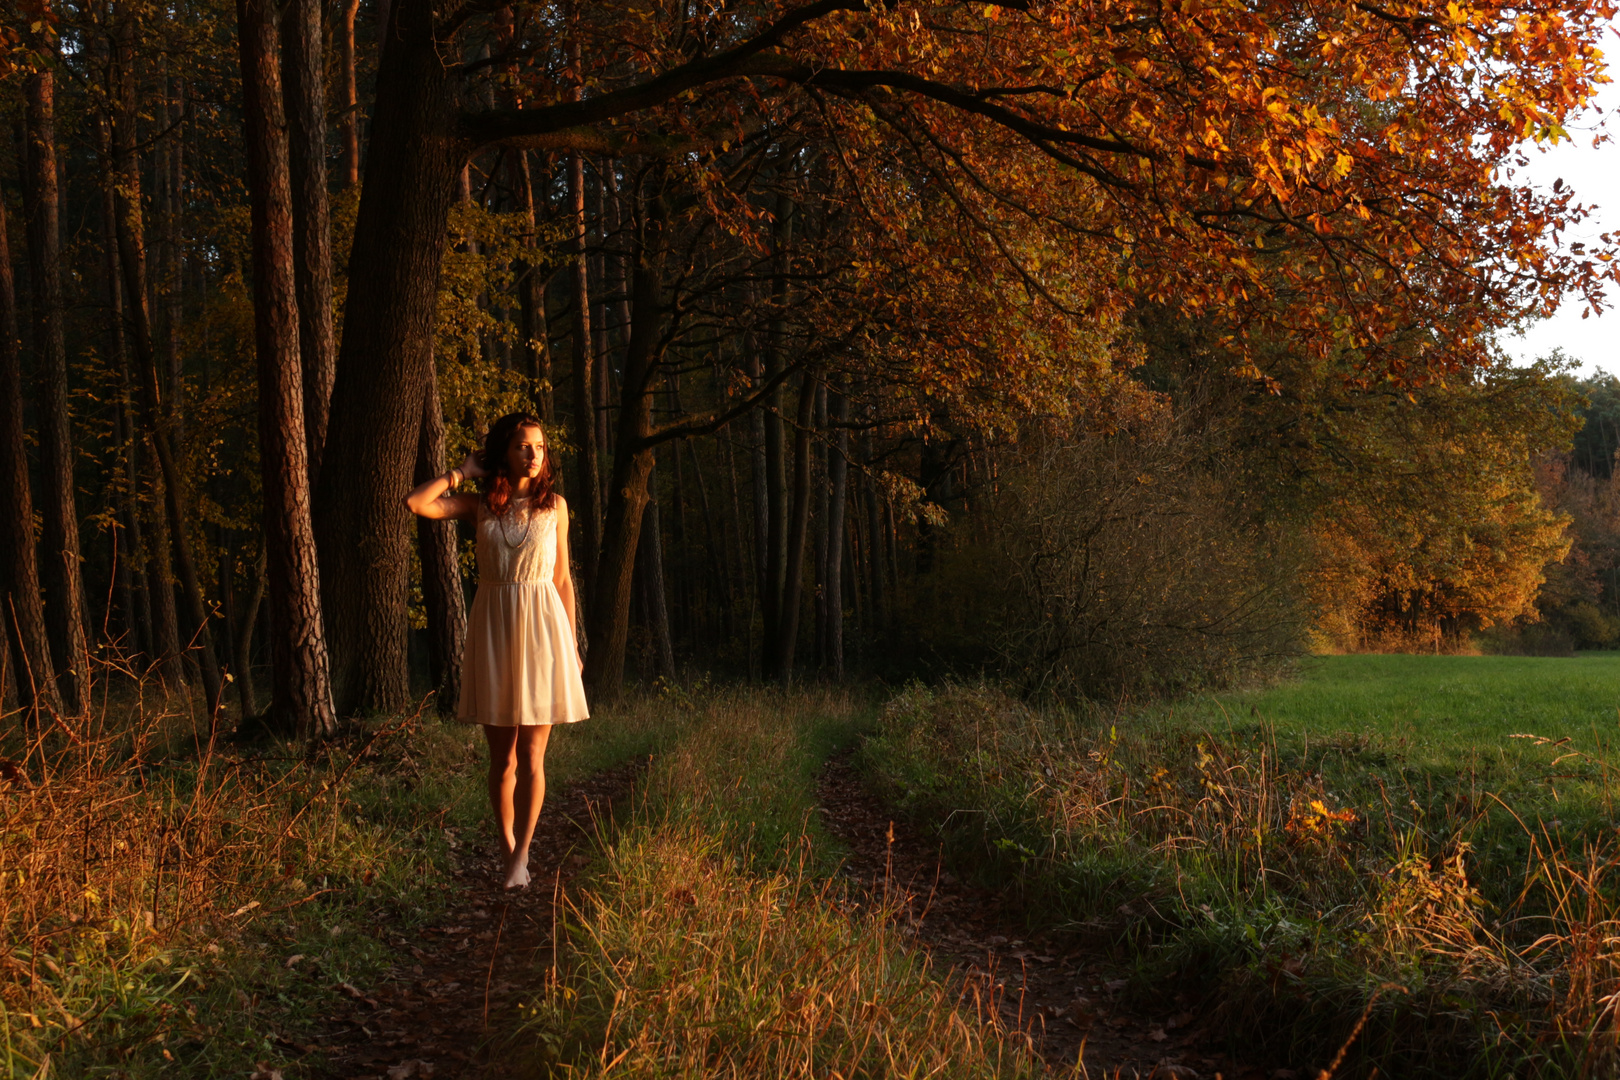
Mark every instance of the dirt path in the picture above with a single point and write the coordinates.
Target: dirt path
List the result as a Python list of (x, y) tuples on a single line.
[(458, 981), (1065, 997)]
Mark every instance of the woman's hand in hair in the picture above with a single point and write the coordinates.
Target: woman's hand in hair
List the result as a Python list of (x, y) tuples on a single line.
[(473, 467)]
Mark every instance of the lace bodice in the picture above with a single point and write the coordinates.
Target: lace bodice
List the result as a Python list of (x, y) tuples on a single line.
[(517, 547)]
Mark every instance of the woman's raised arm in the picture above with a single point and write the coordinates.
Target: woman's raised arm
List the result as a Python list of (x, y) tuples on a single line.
[(432, 499)]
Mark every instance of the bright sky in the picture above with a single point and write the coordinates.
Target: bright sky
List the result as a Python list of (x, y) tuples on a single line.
[(1595, 176)]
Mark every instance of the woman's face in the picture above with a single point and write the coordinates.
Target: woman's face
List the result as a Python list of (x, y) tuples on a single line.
[(526, 454)]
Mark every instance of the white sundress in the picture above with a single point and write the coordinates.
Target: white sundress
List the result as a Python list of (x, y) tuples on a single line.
[(520, 666)]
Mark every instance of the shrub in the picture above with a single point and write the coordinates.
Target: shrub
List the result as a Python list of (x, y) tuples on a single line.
[(1110, 563)]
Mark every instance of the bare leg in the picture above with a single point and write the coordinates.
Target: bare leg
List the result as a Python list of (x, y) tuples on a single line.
[(529, 794), (503, 742)]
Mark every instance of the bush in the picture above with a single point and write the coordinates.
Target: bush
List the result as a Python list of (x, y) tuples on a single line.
[(1115, 563)]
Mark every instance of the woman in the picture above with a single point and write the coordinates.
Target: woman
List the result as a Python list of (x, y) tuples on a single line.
[(520, 672)]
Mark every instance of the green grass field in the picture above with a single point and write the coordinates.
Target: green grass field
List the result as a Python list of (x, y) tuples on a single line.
[(1435, 723)]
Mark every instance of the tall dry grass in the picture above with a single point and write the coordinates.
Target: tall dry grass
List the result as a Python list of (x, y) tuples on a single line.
[(146, 866)]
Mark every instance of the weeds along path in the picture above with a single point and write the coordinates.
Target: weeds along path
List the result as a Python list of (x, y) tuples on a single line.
[(456, 983), (1068, 1002)]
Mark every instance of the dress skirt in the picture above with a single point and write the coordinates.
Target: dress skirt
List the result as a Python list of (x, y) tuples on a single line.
[(520, 666)]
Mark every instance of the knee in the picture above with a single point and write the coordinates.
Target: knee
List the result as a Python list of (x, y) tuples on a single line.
[(531, 765)]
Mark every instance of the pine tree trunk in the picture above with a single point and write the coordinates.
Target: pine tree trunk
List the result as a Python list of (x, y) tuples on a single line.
[(798, 528), (304, 70), (376, 411), (64, 585), (301, 694), (441, 570), (588, 489), (20, 608)]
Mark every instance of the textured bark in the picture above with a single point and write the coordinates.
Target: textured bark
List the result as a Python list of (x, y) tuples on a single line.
[(301, 694), (132, 264), (20, 607), (376, 410), (304, 70), (588, 489), (787, 641), (59, 539), (441, 573), (351, 97)]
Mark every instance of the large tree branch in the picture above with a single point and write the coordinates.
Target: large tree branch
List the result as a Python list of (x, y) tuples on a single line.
[(504, 125), (582, 124)]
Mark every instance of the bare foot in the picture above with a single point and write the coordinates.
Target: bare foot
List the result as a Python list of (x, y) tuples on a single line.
[(517, 873)]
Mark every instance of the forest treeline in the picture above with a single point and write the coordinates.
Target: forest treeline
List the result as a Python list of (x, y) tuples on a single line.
[(1105, 345)]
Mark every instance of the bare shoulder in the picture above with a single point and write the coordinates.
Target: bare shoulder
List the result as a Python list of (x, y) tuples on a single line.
[(561, 505)]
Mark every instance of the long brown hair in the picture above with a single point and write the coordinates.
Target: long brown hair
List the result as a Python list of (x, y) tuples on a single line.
[(497, 485)]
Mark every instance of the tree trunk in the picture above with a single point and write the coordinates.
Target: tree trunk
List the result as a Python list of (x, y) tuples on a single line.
[(650, 577), (376, 411), (759, 469), (798, 527), (532, 291), (132, 262), (20, 607), (243, 657), (303, 65), (776, 490), (64, 584), (608, 618), (823, 497), (588, 490), (351, 97), (441, 570), (301, 694), (776, 509), (832, 588)]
